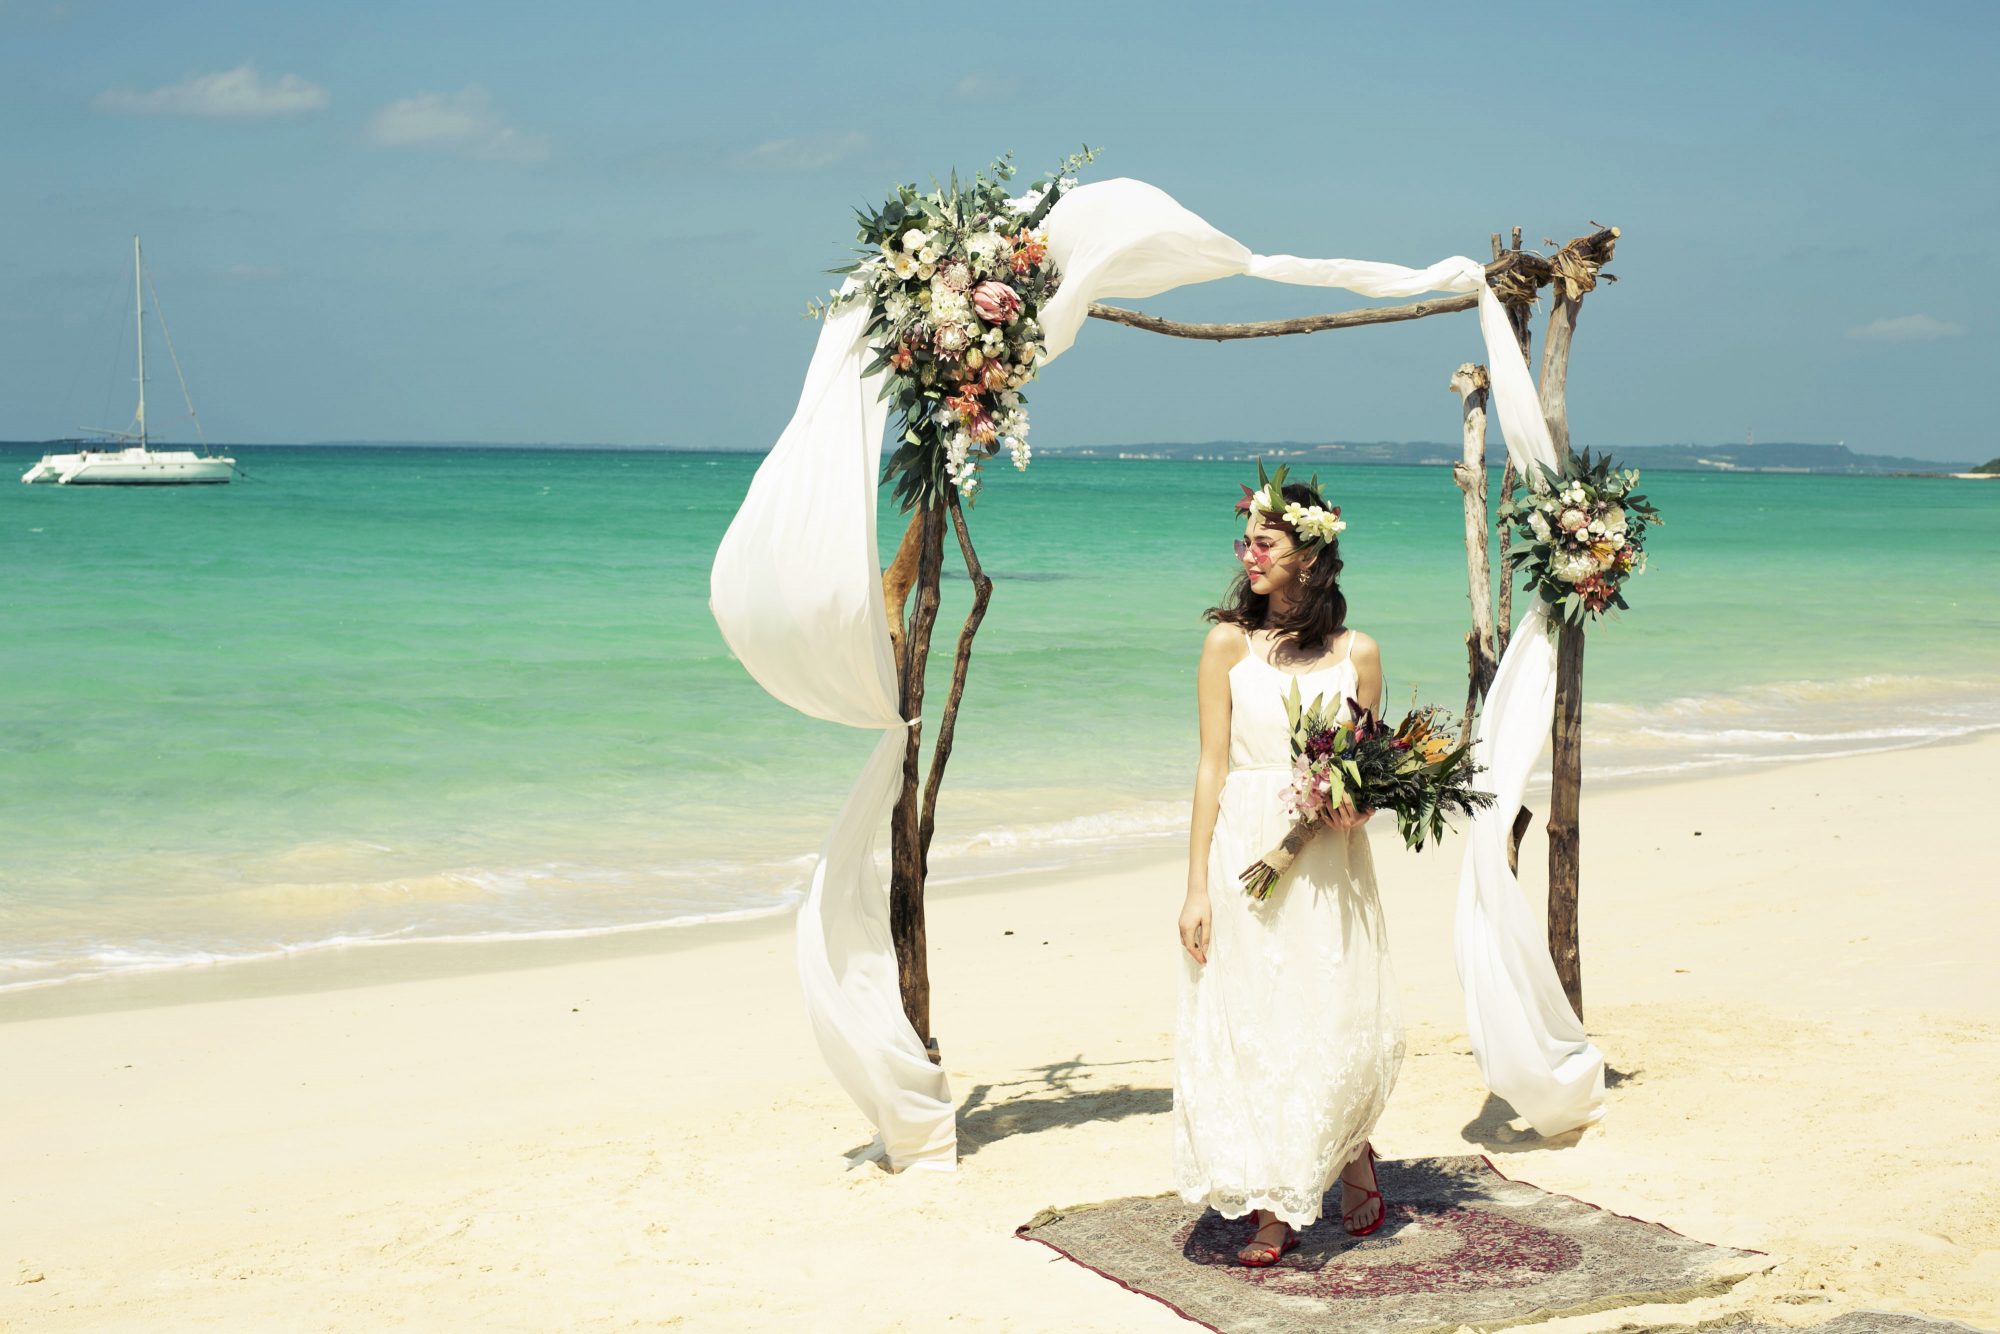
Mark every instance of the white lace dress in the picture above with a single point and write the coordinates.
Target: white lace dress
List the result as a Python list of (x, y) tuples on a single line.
[(1289, 1038)]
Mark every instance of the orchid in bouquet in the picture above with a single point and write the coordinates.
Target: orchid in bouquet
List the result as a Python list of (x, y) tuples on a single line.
[(1415, 769), (954, 278), (1585, 532)]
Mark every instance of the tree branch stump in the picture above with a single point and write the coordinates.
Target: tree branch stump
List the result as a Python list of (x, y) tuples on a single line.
[(896, 581), (1522, 819)]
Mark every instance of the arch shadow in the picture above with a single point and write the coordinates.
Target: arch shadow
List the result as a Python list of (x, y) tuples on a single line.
[(1051, 1100)]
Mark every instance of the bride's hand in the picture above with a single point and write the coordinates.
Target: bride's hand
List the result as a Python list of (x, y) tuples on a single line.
[(1344, 816), (1195, 925)]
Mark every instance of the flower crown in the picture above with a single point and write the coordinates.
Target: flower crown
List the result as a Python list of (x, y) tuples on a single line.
[(1317, 522)]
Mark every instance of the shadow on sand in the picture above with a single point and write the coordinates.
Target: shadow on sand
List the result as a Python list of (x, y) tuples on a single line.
[(1499, 1129)]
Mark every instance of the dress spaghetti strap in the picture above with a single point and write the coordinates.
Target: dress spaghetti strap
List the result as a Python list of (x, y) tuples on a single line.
[(1346, 654)]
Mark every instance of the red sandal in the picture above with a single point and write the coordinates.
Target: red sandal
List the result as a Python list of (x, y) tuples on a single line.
[(1382, 1210), (1271, 1254)]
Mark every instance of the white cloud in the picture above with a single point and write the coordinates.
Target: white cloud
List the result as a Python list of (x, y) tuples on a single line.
[(984, 88), (464, 122), (809, 153), (1906, 329), (241, 93)]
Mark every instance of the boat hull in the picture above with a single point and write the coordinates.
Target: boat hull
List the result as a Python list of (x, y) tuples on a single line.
[(130, 468)]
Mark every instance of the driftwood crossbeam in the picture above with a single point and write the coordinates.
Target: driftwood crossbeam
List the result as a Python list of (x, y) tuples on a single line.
[(1516, 276)]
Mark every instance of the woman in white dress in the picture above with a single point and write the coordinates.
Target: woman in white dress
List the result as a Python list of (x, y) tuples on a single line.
[(1289, 1037)]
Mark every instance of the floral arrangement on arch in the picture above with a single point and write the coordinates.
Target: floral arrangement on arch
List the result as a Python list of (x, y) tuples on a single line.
[(1585, 532), (955, 277)]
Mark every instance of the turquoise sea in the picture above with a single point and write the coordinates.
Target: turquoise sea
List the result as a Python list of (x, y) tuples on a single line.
[(380, 695)]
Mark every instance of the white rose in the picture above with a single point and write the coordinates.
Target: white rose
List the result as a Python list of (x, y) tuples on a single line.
[(1540, 524), (928, 256), (1614, 519), (1571, 566), (914, 238)]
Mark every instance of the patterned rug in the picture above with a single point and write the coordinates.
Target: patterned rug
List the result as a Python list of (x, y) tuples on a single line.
[(1463, 1245), (1854, 1322)]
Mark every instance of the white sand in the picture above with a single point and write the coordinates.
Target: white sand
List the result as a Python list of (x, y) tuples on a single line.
[(638, 1132)]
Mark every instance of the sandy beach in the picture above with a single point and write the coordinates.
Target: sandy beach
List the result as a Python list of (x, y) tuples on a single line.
[(1788, 968)]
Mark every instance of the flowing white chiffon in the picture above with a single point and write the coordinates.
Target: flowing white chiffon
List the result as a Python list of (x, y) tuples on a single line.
[(796, 592)]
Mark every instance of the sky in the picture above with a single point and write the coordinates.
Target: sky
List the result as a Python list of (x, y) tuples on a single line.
[(601, 222)]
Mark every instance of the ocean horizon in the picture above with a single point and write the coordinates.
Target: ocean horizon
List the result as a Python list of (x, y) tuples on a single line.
[(381, 694)]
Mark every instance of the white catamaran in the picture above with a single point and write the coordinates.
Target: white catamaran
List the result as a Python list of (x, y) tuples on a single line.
[(130, 462)]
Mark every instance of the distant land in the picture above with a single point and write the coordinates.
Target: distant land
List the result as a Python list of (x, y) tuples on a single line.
[(1773, 457), (1835, 460)]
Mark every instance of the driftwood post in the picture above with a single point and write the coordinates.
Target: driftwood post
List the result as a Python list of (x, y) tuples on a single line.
[(1469, 382), (1574, 272), (919, 565), (1565, 802), (906, 851)]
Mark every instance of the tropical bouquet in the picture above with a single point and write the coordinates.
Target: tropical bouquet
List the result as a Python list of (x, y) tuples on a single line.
[(1415, 769), (955, 277), (1584, 528)]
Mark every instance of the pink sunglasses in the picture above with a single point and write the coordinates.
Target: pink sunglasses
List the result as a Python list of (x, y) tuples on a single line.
[(1261, 555)]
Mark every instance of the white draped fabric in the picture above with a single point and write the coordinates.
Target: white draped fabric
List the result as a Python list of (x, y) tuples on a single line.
[(796, 590)]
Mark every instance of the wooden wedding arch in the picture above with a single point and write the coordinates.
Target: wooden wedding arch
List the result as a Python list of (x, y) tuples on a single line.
[(1516, 277)]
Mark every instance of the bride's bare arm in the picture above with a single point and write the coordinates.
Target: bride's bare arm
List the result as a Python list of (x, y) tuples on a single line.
[(1367, 672), (1220, 651)]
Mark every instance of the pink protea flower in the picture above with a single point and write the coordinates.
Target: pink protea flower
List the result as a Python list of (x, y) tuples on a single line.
[(996, 302)]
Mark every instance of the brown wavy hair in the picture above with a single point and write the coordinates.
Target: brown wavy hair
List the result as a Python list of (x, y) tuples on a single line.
[(1322, 613)]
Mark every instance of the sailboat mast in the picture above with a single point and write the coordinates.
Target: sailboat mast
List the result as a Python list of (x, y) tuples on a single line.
[(139, 305)]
